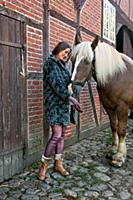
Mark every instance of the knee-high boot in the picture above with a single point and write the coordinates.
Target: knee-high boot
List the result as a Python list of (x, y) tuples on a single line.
[(43, 168), (58, 165)]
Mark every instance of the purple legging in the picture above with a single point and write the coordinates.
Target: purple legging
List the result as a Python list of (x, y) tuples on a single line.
[(56, 142)]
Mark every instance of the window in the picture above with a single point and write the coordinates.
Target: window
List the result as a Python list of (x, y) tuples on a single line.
[(109, 21)]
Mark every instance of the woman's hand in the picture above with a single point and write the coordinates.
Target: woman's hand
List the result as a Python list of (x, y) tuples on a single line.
[(75, 103)]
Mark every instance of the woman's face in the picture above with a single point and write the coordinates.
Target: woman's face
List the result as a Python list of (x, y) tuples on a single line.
[(63, 55)]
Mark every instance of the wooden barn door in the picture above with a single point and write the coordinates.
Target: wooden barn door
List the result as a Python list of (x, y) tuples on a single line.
[(11, 142)]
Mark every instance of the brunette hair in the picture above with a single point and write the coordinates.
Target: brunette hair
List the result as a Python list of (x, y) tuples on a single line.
[(60, 47)]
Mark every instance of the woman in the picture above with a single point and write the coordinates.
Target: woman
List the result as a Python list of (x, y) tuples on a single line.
[(57, 98)]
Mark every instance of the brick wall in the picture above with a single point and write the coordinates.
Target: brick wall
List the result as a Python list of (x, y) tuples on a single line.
[(64, 7), (91, 16), (90, 19), (34, 89), (34, 50), (124, 5), (87, 117), (35, 115), (60, 31), (32, 9)]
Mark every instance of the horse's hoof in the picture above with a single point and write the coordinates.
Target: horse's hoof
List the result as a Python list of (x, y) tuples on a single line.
[(116, 163), (118, 159)]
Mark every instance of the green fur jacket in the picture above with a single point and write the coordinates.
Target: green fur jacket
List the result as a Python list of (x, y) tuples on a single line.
[(56, 93)]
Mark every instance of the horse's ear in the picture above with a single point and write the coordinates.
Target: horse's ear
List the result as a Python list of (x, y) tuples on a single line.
[(77, 38), (95, 42)]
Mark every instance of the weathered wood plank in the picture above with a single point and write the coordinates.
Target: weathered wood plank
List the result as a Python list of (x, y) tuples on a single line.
[(11, 164), (20, 161), (18, 94), (11, 84), (17, 162), (10, 44), (14, 163), (13, 97), (1, 169), (1, 126), (7, 167), (13, 30), (6, 99)]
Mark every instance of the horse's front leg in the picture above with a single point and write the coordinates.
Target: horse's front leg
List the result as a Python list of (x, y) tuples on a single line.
[(113, 148), (115, 140), (119, 158)]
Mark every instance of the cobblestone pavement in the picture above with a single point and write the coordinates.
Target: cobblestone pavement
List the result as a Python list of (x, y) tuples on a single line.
[(92, 177)]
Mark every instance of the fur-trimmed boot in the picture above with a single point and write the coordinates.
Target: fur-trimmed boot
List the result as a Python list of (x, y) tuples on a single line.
[(43, 168), (58, 165)]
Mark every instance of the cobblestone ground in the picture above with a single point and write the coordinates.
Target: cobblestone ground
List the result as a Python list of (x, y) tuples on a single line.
[(92, 177)]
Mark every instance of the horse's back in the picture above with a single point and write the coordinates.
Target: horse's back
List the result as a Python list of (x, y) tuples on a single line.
[(120, 87), (127, 59)]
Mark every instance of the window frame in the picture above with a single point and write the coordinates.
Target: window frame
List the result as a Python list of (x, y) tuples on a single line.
[(109, 21)]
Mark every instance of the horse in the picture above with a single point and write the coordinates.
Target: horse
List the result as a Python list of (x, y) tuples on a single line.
[(113, 73)]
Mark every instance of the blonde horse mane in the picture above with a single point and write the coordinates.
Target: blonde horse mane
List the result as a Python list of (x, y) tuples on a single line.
[(108, 62)]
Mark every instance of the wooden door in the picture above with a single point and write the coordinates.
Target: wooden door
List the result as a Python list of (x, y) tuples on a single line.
[(11, 141)]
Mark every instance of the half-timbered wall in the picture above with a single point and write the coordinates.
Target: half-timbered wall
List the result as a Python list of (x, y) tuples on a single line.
[(28, 32)]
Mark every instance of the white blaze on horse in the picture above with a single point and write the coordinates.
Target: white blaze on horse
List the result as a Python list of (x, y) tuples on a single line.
[(113, 72)]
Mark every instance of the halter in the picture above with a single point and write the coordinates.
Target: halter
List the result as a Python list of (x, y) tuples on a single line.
[(78, 83), (93, 70)]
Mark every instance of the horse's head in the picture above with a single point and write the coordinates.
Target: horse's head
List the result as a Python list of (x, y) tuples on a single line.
[(82, 58)]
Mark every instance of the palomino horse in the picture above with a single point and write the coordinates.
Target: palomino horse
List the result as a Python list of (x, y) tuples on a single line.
[(113, 73)]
